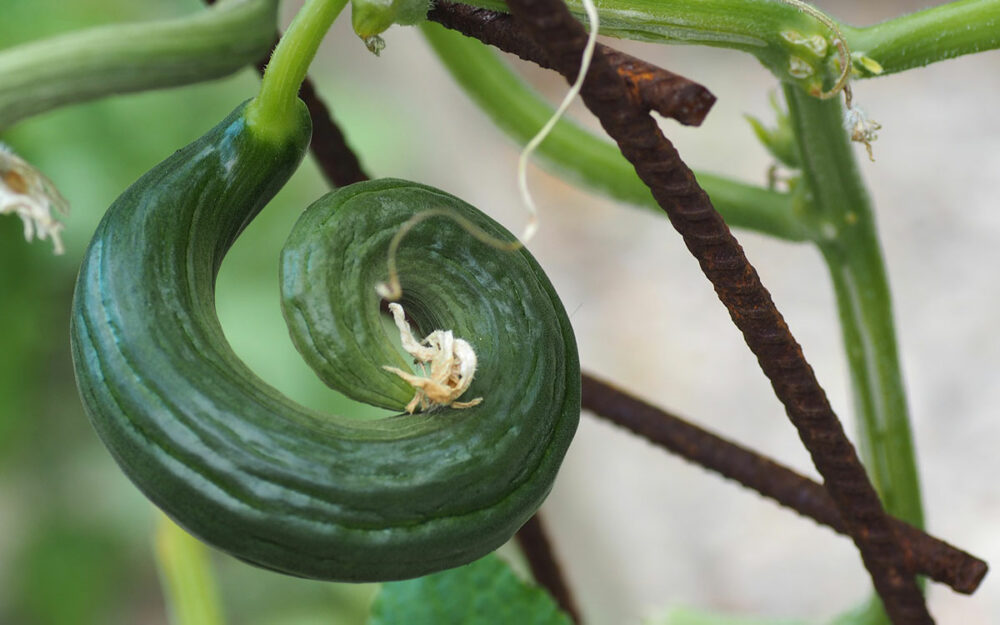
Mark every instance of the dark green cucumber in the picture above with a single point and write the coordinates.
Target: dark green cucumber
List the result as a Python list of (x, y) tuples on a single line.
[(271, 482)]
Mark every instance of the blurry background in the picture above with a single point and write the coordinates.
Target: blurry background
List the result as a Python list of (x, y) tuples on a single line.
[(638, 530)]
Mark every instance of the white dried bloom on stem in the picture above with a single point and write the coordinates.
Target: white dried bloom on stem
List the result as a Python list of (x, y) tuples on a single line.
[(26, 192), (863, 129), (452, 364)]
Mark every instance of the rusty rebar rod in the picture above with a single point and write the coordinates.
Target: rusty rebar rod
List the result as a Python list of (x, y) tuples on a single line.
[(338, 162), (669, 94), (737, 284), (925, 554), (537, 549)]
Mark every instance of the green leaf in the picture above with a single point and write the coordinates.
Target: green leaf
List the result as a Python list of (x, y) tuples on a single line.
[(482, 593), (27, 335), (780, 140), (65, 574), (687, 616)]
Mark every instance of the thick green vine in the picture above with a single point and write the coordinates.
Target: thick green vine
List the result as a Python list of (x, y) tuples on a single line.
[(793, 45), (81, 66), (854, 257)]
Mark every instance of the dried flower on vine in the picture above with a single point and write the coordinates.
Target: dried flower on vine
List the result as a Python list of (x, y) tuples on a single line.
[(863, 129), (26, 192)]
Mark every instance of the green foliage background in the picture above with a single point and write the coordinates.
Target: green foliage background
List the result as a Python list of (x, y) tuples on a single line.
[(75, 537)]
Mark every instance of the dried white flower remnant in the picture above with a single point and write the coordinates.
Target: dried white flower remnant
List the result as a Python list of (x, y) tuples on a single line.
[(26, 192), (862, 128), (452, 364)]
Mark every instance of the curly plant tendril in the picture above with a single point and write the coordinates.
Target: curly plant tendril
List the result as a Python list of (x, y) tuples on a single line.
[(860, 127), (392, 289), (244, 468), (839, 41)]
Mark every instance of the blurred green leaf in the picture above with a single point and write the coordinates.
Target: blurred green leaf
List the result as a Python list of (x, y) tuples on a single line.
[(74, 573), (67, 574), (688, 616), (869, 612), (779, 140), (25, 317), (485, 592)]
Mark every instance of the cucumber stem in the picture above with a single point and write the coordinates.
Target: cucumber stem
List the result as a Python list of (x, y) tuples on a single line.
[(273, 110), (187, 578)]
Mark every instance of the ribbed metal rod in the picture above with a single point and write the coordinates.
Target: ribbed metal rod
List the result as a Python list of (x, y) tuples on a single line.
[(925, 554), (534, 541), (739, 288), (660, 90)]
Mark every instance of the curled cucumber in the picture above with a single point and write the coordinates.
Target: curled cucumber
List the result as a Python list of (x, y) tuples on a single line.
[(255, 474)]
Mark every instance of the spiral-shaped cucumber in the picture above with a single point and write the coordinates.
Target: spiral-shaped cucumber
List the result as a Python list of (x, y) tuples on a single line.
[(265, 479)]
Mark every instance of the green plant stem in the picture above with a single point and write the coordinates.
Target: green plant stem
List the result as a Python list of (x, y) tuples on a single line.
[(81, 66), (186, 576), (752, 26), (585, 159), (853, 255), (756, 26), (274, 108), (85, 65), (748, 25), (934, 34)]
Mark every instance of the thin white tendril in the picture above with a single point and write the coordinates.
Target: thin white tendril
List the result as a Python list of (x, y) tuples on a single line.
[(529, 150), (391, 289)]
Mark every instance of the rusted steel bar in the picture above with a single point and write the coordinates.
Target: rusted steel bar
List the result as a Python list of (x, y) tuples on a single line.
[(925, 554), (338, 162), (750, 306), (669, 94), (537, 548)]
